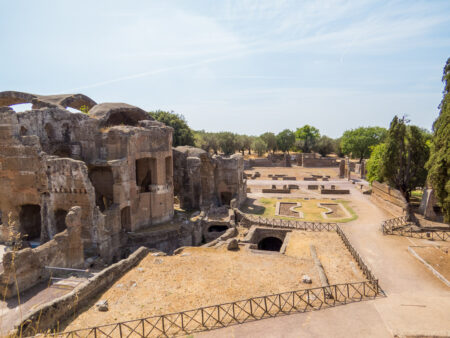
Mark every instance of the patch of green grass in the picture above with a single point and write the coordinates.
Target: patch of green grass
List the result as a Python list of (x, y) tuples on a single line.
[(311, 211)]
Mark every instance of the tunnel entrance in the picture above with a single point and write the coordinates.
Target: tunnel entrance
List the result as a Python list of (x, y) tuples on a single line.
[(30, 222), (60, 220), (217, 228), (270, 244)]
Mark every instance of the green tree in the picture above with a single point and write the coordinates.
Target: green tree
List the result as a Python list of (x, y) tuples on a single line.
[(271, 140), (239, 141), (324, 145), (285, 140), (259, 146), (375, 162), (307, 137), (403, 164), (206, 141), (182, 134), (359, 141), (247, 141), (439, 162), (227, 142)]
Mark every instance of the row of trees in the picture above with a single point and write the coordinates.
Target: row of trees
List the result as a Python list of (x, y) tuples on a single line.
[(356, 143), (405, 156)]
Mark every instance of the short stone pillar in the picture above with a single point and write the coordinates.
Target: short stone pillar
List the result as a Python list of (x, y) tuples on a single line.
[(75, 252), (427, 205), (347, 168), (362, 169), (342, 169)]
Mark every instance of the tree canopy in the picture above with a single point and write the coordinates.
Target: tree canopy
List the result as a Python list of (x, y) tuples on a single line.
[(439, 162), (403, 164), (227, 142), (375, 162), (307, 137), (285, 140), (259, 146), (271, 141), (324, 145), (359, 141), (182, 134)]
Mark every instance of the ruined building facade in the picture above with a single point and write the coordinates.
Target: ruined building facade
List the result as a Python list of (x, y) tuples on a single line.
[(115, 163), (202, 180)]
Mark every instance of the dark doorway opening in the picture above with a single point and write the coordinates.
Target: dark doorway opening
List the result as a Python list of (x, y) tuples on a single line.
[(145, 173), (102, 180), (270, 244), (225, 197), (217, 228), (125, 218), (168, 163), (60, 220), (30, 222)]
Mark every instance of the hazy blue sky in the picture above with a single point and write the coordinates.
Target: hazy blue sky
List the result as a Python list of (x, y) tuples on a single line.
[(243, 66)]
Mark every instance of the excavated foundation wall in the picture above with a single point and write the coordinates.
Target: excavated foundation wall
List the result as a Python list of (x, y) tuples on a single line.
[(389, 198)]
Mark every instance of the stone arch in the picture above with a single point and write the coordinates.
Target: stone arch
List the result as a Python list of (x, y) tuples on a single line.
[(270, 244)]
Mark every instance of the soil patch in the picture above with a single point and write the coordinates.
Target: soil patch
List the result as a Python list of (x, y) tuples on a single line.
[(337, 262), (198, 277), (438, 258), (285, 209)]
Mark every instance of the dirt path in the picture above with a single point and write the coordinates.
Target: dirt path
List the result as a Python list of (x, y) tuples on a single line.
[(416, 302)]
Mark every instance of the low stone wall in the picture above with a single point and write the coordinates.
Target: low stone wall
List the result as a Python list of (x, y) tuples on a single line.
[(389, 198), (276, 191), (335, 191), (319, 162), (27, 266), (49, 315)]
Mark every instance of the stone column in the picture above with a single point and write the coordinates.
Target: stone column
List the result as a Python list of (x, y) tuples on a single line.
[(347, 168)]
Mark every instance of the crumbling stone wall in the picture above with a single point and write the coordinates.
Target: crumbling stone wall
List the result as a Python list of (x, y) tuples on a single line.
[(115, 162), (202, 180), (313, 160), (27, 266)]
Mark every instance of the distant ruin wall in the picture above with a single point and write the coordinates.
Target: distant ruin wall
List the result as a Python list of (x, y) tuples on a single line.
[(28, 265), (202, 180), (319, 162), (49, 315), (389, 198)]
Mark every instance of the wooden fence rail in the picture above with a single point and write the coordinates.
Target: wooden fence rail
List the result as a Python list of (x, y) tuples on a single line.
[(222, 315), (249, 220), (396, 226), (251, 309)]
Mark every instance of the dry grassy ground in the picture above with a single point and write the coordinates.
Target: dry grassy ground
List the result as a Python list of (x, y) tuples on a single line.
[(337, 261), (208, 276)]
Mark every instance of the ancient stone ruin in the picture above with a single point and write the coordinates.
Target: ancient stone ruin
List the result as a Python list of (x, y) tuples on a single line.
[(115, 163)]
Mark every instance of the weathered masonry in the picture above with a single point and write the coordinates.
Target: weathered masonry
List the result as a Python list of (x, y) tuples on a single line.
[(115, 163)]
